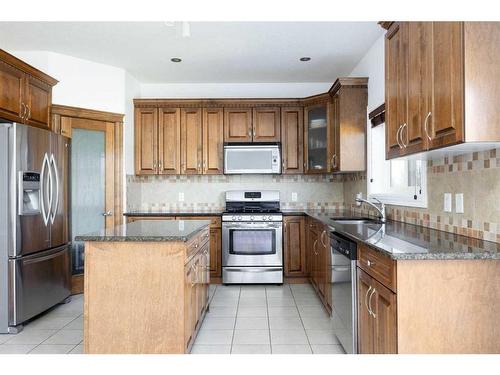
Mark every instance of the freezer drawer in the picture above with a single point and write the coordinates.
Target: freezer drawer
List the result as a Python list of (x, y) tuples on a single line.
[(38, 282)]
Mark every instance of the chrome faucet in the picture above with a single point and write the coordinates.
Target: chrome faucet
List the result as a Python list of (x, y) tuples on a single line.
[(380, 210)]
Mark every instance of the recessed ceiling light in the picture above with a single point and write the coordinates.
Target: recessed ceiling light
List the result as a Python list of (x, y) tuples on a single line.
[(305, 58), (175, 59)]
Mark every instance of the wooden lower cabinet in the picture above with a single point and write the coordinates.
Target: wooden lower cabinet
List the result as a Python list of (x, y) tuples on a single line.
[(294, 247), (377, 319), (319, 261)]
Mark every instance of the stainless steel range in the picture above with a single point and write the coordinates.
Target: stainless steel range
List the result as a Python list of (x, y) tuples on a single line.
[(252, 238)]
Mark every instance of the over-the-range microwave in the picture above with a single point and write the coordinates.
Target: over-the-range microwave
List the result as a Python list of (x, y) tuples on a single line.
[(245, 158)]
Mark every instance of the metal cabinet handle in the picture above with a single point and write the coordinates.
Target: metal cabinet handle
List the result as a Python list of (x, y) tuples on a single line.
[(159, 165), (23, 111), (321, 238), (334, 161), (107, 213), (370, 263), (254, 133), (249, 132), (425, 126), (29, 112), (314, 247), (370, 303), (407, 139), (366, 300), (154, 165), (397, 136)]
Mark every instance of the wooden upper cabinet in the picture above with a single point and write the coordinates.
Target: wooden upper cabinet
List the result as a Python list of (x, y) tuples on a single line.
[(446, 123), (146, 140), (292, 140), (347, 133), (169, 141), (25, 92), (396, 87), (191, 141), (237, 125), (317, 124), (38, 99), (266, 124), (213, 139), (11, 92), (295, 246)]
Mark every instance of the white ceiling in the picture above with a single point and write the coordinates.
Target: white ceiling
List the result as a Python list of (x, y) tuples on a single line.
[(214, 51)]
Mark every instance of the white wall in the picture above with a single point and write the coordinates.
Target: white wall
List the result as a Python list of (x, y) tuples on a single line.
[(372, 66), (233, 90)]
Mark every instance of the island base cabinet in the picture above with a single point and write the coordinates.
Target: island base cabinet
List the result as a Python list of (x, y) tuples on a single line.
[(145, 297), (377, 320)]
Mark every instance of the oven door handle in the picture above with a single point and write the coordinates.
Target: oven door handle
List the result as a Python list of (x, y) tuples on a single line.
[(253, 269), (341, 268), (251, 226)]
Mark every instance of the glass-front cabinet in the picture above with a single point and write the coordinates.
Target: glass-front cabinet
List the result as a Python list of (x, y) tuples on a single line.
[(318, 138)]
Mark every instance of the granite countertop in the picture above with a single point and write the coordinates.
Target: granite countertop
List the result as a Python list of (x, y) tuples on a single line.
[(398, 240), (149, 231), (171, 213), (403, 241)]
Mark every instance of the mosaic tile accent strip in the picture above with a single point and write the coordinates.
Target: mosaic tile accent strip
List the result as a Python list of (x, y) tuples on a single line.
[(466, 162)]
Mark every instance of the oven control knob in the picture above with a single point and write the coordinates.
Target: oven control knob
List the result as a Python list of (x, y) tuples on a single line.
[(239, 217), (235, 217), (251, 218)]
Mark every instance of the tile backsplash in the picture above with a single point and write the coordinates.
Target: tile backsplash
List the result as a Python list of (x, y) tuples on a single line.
[(476, 175), (206, 193)]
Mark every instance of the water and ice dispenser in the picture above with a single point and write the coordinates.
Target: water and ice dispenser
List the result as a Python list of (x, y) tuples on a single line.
[(29, 193)]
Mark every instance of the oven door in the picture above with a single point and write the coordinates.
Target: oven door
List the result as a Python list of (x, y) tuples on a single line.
[(252, 244)]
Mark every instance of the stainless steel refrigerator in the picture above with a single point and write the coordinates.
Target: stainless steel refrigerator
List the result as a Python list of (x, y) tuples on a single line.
[(34, 223)]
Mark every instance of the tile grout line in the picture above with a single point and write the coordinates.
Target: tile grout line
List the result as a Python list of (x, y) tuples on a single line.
[(235, 320), (301, 321), (268, 322)]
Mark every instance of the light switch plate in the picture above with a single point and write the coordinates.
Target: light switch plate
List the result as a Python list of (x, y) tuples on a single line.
[(447, 202), (459, 203), (181, 197), (294, 196)]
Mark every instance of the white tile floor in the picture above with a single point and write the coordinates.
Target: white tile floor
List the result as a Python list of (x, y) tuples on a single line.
[(59, 331), (288, 319)]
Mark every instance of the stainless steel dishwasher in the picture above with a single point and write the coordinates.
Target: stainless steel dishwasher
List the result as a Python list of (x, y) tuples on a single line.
[(344, 290)]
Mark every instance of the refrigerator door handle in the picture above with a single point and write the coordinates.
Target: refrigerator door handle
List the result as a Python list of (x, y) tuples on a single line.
[(53, 214), (45, 214)]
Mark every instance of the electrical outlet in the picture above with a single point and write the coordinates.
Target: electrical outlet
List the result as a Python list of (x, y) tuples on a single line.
[(181, 197), (359, 196), (447, 202), (294, 196), (459, 203)]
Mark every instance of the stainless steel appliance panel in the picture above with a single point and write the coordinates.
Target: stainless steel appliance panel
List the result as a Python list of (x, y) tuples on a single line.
[(59, 212), (252, 159), (344, 291), (252, 275), (252, 244), (38, 282), (29, 150)]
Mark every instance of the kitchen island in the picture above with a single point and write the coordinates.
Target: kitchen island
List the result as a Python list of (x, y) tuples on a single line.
[(146, 287)]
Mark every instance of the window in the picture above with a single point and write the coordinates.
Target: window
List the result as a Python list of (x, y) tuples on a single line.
[(398, 181)]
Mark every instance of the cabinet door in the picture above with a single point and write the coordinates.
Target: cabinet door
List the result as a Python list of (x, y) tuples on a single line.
[(396, 87), (266, 124), (316, 135), (383, 304), (292, 140), (322, 264), (191, 141), (313, 241), (38, 98), (188, 306), (169, 141), (419, 87), (295, 246), (237, 125), (146, 141), (446, 123), (215, 252), (365, 320), (11, 92), (213, 138)]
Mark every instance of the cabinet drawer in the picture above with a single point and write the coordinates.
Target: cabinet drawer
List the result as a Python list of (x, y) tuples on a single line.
[(215, 221), (196, 243), (377, 265)]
